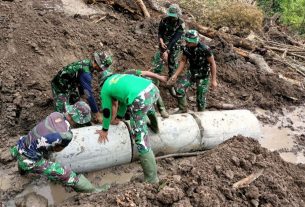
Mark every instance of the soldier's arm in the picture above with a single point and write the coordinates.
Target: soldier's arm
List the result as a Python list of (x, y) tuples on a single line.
[(179, 70), (213, 71)]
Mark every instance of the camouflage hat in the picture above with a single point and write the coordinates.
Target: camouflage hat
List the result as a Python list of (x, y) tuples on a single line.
[(191, 36), (80, 112), (103, 59), (104, 75), (174, 11)]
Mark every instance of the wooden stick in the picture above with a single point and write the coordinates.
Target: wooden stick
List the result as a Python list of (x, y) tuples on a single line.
[(143, 7), (248, 180), (186, 154)]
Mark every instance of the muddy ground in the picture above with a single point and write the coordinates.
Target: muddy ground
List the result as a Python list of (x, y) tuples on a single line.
[(37, 38)]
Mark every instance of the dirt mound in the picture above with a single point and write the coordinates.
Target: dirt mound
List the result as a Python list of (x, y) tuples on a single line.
[(37, 38), (206, 180)]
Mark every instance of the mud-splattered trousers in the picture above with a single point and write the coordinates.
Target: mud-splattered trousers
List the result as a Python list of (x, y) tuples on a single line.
[(31, 150), (53, 170), (201, 84), (141, 106)]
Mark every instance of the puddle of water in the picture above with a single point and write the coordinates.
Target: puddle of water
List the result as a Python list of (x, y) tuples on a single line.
[(281, 137), (110, 178), (56, 193), (5, 182), (275, 138)]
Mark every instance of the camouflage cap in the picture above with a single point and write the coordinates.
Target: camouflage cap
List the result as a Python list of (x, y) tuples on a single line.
[(174, 11), (80, 112), (104, 75), (191, 36), (103, 59)]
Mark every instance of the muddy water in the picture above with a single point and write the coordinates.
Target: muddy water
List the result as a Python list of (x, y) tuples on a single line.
[(281, 136), (56, 193)]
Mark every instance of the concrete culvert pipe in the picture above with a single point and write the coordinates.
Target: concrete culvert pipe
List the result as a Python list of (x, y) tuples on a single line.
[(178, 133)]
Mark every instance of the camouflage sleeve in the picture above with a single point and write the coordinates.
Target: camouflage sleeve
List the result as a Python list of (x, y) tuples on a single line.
[(161, 29)]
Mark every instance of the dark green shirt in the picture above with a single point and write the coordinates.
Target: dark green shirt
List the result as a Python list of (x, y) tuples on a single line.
[(170, 30), (198, 59)]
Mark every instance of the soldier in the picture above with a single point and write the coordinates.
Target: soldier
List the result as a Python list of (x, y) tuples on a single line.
[(202, 64), (52, 135), (75, 81), (171, 28), (138, 95)]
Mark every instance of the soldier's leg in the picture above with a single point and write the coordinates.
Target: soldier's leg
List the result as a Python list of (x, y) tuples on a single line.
[(56, 172), (173, 59), (181, 86), (202, 89), (158, 64), (139, 109)]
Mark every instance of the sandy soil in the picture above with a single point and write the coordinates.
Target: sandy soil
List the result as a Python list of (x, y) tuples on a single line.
[(38, 38)]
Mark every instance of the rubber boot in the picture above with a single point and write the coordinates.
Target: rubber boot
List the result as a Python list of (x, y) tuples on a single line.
[(153, 122), (161, 108), (182, 104), (85, 186), (149, 166)]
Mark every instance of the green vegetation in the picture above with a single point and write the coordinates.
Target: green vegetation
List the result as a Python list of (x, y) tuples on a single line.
[(292, 12), (238, 15)]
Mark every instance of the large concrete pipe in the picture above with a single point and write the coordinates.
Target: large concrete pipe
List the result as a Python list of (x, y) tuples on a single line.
[(178, 133)]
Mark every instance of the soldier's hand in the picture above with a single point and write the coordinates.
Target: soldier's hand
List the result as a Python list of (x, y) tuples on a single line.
[(172, 81), (165, 56), (163, 78), (97, 118), (103, 136), (214, 84), (163, 45), (115, 121)]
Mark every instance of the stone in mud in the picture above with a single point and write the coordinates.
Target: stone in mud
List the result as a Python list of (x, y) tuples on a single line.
[(169, 195), (31, 200)]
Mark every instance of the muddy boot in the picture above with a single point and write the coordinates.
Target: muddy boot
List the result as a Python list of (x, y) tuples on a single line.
[(161, 108), (85, 186), (182, 104), (153, 122), (149, 166)]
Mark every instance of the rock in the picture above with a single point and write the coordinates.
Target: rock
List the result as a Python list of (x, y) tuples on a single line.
[(169, 195), (229, 174), (31, 200)]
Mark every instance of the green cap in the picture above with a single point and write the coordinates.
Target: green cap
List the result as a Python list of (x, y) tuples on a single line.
[(191, 36), (174, 11), (103, 59), (80, 112)]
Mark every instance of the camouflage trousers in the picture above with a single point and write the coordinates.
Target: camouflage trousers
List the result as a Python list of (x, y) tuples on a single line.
[(202, 87), (53, 170), (173, 58), (61, 98), (141, 106)]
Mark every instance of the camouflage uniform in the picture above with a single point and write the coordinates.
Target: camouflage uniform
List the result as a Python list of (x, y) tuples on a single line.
[(32, 150), (138, 95), (170, 30), (72, 82), (142, 106), (199, 73)]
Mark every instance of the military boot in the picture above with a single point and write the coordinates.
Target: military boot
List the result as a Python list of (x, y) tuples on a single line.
[(161, 108), (153, 122), (182, 104), (149, 166), (85, 186)]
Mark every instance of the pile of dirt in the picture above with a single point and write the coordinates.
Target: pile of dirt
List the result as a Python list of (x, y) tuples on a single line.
[(38, 38), (207, 180)]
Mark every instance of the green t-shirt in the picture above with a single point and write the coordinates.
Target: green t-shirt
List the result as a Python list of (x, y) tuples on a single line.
[(123, 88)]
